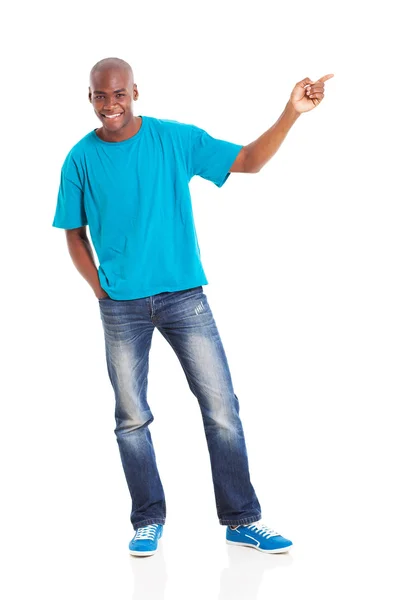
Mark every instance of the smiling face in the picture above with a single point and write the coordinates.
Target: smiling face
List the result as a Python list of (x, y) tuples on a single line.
[(111, 93)]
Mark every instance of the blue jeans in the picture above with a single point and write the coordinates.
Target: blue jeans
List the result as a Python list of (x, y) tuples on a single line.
[(185, 320)]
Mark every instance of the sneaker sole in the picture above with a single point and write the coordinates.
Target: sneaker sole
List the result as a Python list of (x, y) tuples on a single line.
[(135, 553), (278, 551)]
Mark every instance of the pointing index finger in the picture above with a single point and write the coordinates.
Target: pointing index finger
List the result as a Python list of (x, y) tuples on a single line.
[(325, 78)]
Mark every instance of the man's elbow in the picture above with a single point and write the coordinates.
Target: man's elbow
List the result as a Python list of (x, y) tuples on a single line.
[(249, 164), (244, 162), (250, 169)]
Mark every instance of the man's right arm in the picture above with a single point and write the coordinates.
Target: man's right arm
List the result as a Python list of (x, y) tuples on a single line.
[(82, 256)]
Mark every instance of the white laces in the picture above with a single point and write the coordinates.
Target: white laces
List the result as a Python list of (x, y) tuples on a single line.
[(263, 530), (146, 533)]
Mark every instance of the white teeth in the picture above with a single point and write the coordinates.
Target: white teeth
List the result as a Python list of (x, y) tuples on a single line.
[(113, 116)]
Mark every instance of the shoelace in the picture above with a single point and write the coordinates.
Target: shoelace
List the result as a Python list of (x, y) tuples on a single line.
[(146, 533), (263, 530)]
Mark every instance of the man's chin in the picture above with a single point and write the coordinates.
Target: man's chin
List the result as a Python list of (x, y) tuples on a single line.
[(113, 127)]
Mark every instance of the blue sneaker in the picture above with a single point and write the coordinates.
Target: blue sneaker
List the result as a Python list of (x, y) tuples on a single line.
[(145, 540), (257, 536)]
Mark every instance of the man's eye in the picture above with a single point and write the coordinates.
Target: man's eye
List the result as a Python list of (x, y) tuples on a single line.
[(97, 97), (120, 94)]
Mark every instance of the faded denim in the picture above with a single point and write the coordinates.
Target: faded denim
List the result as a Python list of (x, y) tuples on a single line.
[(185, 320)]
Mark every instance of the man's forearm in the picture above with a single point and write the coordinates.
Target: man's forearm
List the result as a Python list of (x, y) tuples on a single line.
[(261, 150), (82, 256)]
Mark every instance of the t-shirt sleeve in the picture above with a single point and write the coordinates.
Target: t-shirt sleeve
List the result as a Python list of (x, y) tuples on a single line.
[(70, 211), (211, 158)]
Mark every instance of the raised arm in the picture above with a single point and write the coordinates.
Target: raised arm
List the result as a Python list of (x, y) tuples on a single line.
[(305, 96)]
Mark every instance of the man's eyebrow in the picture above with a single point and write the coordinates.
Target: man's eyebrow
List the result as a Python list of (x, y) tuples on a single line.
[(115, 91)]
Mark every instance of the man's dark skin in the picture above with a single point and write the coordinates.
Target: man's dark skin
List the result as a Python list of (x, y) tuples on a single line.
[(112, 91)]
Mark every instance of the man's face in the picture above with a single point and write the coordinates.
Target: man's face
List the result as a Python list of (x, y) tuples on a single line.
[(111, 93)]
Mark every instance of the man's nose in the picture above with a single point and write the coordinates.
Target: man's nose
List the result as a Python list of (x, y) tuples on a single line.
[(108, 104)]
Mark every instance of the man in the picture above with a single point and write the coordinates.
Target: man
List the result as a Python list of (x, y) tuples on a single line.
[(129, 182)]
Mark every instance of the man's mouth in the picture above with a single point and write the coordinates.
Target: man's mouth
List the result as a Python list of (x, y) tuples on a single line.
[(113, 116)]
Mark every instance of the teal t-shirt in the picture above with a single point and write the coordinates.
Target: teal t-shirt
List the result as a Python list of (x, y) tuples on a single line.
[(134, 196)]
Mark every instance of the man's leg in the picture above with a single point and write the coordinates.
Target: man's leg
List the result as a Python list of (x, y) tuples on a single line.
[(185, 320), (128, 333)]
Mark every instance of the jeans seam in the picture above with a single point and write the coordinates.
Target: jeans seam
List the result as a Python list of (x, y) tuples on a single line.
[(156, 521), (244, 521)]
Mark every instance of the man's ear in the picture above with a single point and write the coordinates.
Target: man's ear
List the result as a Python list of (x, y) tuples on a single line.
[(135, 92), (90, 95)]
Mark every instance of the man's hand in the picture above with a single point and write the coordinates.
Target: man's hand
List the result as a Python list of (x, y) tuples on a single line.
[(102, 294), (307, 94)]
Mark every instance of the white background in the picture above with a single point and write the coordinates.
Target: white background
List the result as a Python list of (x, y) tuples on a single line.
[(303, 267)]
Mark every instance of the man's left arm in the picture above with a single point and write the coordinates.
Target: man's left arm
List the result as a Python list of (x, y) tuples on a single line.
[(305, 96)]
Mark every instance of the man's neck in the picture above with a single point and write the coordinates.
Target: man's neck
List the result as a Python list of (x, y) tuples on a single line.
[(120, 136)]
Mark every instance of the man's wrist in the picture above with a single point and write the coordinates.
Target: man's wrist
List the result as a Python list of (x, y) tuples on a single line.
[(290, 112)]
